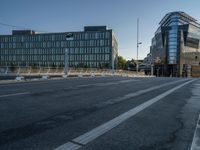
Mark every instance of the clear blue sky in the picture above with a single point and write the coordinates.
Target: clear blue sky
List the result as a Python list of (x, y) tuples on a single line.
[(72, 15)]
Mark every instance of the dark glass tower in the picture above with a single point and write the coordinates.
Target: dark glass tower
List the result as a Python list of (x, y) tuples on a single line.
[(176, 45)]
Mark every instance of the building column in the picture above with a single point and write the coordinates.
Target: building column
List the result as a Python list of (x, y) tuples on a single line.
[(181, 58)]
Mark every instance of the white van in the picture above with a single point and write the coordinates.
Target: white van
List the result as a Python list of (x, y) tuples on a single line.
[(19, 78)]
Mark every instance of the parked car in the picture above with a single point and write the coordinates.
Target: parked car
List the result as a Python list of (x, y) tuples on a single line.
[(19, 78), (45, 77)]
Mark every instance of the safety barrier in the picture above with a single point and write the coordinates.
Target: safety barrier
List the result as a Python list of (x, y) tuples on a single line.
[(53, 71)]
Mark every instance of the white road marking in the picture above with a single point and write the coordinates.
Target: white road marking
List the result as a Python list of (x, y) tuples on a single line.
[(126, 81), (15, 94), (107, 83), (69, 145), (102, 129), (131, 95), (196, 138)]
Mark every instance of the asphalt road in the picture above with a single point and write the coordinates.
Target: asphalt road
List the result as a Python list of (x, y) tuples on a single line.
[(108, 113)]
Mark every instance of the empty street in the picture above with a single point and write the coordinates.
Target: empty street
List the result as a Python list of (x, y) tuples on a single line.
[(110, 113)]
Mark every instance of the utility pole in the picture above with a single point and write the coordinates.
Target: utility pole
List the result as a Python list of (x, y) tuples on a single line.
[(138, 43), (66, 63)]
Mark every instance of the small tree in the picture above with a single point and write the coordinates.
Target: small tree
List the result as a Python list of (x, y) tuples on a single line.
[(121, 63), (131, 64)]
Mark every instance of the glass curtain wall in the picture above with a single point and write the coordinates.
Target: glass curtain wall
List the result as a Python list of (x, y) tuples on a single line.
[(173, 40)]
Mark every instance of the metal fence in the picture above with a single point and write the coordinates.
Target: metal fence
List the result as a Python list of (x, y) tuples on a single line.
[(52, 71)]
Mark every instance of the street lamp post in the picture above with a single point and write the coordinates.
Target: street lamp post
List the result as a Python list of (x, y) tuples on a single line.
[(66, 63), (138, 43)]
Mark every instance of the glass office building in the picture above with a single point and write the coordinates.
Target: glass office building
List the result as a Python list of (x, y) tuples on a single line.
[(175, 46), (94, 47)]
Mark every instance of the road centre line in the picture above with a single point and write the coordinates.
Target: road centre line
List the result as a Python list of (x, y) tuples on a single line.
[(14, 94), (102, 129)]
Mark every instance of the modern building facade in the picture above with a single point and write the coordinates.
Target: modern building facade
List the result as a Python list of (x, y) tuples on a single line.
[(175, 46), (94, 47)]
